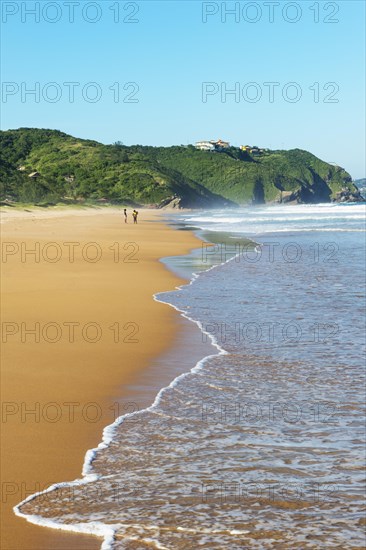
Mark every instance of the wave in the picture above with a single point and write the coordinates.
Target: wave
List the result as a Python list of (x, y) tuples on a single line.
[(270, 219), (276, 219), (252, 231)]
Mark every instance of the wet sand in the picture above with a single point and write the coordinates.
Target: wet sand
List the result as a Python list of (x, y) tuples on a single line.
[(87, 361)]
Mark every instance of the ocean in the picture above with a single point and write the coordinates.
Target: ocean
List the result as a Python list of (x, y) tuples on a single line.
[(261, 444)]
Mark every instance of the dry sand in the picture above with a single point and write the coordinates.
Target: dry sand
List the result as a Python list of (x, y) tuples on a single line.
[(72, 385)]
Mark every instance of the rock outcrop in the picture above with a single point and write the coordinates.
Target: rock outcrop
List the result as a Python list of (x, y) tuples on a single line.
[(346, 195)]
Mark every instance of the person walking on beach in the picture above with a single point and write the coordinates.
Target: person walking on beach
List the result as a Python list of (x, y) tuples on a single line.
[(135, 214), (125, 214)]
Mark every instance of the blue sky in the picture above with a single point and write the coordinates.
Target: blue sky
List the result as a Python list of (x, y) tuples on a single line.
[(159, 73)]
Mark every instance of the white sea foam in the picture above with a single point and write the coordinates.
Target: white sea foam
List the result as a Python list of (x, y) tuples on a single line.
[(91, 528), (273, 219)]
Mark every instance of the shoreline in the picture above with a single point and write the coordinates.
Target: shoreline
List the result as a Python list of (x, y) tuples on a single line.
[(78, 437), (202, 354), (198, 355), (97, 529)]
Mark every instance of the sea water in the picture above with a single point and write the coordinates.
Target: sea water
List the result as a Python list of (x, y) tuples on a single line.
[(261, 444)]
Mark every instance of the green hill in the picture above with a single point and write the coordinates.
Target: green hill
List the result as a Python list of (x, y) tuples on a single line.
[(50, 166)]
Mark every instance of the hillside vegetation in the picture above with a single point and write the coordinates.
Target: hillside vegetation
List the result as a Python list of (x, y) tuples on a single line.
[(49, 166)]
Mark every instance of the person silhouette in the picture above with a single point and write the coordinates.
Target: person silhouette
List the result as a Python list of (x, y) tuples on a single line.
[(125, 214), (135, 214)]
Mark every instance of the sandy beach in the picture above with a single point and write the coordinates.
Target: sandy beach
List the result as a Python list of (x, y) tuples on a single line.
[(80, 328)]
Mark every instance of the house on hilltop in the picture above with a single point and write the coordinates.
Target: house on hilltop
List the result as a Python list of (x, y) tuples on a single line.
[(205, 146), (212, 145), (219, 144), (252, 149)]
